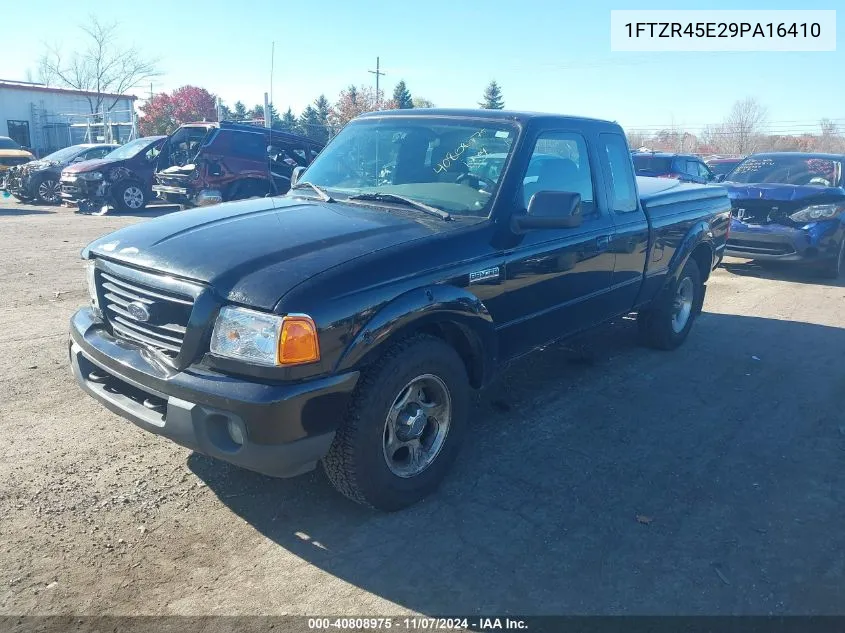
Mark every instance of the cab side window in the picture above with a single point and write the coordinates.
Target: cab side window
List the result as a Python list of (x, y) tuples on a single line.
[(560, 162), (620, 169)]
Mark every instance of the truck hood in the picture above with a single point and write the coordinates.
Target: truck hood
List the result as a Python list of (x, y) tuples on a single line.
[(254, 251), (91, 165), (783, 193)]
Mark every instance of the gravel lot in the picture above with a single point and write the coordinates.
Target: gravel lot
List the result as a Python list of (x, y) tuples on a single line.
[(600, 477)]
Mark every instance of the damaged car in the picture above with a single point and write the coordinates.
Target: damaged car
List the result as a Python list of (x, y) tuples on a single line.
[(38, 181), (789, 207), (121, 179), (207, 163)]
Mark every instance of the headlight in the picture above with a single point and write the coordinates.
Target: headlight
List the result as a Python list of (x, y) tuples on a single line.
[(817, 212), (265, 339), (90, 267), (91, 175)]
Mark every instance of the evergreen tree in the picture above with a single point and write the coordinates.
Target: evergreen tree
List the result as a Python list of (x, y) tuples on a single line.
[(256, 113), (289, 122), (324, 112), (492, 97), (309, 121), (239, 113), (402, 99), (225, 113)]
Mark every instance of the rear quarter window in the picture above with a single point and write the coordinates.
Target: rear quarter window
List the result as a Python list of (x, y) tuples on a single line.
[(653, 164)]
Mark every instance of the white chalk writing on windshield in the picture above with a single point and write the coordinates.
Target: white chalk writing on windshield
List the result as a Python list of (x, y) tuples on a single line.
[(450, 158)]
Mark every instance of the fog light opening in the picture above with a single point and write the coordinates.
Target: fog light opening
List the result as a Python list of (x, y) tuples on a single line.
[(236, 432)]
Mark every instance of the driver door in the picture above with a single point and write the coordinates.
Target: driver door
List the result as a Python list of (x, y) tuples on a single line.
[(556, 281)]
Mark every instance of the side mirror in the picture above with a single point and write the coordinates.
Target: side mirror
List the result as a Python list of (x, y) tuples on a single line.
[(720, 177), (550, 210), (297, 173)]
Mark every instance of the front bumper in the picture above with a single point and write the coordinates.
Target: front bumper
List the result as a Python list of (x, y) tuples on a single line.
[(75, 190), (814, 242), (286, 429)]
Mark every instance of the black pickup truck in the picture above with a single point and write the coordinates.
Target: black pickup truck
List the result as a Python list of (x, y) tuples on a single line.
[(347, 321)]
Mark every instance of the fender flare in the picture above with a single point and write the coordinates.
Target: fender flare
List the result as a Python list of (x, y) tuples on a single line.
[(700, 233), (439, 308)]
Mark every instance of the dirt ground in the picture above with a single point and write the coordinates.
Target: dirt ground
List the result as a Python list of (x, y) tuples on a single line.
[(600, 477)]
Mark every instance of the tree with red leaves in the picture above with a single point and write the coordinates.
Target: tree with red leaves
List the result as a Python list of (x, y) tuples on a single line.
[(352, 102), (165, 112)]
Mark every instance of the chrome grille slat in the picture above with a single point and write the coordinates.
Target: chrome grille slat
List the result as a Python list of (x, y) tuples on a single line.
[(176, 340), (128, 333), (126, 294), (147, 291), (163, 328)]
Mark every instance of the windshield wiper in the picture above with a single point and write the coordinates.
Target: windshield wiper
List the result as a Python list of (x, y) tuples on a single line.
[(325, 197), (392, 197)]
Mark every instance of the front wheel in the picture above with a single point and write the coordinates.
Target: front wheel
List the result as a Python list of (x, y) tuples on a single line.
[(48, 191), (130, 196), (666, 323), (405, 425)]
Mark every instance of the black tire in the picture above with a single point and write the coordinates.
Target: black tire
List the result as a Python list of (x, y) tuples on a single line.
[(833, 268), (129, 195), (47, 191), (657, 323), (357, 463)]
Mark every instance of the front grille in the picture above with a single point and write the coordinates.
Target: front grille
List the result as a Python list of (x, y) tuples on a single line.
[(765, 211), (126, 303)]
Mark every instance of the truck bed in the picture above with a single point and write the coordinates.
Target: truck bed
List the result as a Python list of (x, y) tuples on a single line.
[(658, 193)]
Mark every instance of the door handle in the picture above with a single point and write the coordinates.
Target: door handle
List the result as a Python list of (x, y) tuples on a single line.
[(603, 242)]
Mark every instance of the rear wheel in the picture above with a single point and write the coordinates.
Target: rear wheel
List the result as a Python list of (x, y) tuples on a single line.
[(833, 268), (130, 196), (666, 323), (48, 191), (405, 426)]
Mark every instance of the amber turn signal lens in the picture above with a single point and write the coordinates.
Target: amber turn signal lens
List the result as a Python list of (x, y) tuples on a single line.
[(298, 341)]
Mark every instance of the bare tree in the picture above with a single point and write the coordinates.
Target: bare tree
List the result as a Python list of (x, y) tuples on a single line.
[(637, 139), (744, 126), (103, 67), (831, 139)]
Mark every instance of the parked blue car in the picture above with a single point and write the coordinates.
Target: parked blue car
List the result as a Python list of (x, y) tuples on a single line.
[(789, 206)]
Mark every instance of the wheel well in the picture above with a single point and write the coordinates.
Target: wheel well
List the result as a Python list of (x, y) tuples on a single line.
[(462, 341), (703, 256)]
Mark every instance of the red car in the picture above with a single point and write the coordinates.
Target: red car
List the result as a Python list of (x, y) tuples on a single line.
[(121, 179), (723, 166), (208, 163)]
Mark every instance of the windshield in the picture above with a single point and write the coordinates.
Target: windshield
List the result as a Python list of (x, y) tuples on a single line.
[(184, 145), (7, 143), (64, 154), (444, 164), (789, 170), (131, 149)]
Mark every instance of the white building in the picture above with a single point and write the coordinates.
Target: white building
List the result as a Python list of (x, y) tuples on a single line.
[(45, 119)]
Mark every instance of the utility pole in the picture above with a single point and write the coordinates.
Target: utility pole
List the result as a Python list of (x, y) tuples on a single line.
[(272, 64), (377, 72)]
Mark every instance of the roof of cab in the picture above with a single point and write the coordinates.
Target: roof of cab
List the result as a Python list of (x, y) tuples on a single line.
[(499, 115)]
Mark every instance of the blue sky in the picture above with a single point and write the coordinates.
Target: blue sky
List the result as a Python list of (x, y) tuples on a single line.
[(547, 55)]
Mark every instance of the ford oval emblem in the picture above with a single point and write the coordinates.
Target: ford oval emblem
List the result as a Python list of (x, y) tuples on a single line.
[(138, 311)]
